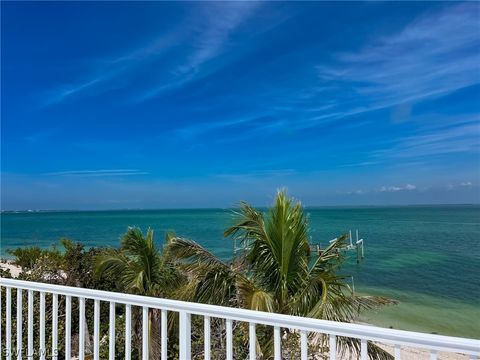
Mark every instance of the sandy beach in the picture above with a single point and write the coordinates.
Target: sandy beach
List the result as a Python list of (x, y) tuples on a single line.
[(408, 353), (7, 265)]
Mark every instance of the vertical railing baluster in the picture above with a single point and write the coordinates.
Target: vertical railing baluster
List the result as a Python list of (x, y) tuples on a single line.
[(164, 334), (128, 331), (54, 326), (19, 324), (333, 346), (8, 323), (68, 327), (277, 341), (206, 337), (30, 323), (303, 345), (433, 354), (42, 326), (229, 329), (81, 328), (96, 330), (398, 352), (185, 335), (363, 349), (145, 339), (111, 342), (252, 342)]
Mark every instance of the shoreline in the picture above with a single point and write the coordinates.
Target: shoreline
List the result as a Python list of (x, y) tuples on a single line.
[(407, 353)]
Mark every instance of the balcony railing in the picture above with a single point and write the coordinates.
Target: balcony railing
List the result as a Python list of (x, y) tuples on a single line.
[(304, 326)]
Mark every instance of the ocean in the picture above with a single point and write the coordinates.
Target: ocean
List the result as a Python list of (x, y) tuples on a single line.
[(426, 257)]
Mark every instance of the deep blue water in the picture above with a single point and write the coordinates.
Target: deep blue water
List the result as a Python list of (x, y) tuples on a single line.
[(426, 257)]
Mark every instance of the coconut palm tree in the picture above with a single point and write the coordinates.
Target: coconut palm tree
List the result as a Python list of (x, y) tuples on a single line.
[(141, 269), (276, 273)]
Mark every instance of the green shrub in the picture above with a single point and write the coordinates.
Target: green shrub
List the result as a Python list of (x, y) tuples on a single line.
[(26, 257)]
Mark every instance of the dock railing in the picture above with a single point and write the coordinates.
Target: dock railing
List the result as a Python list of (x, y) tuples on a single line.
[(37, 293)]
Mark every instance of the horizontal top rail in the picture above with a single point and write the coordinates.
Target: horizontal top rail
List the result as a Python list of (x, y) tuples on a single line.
[(373, 333)]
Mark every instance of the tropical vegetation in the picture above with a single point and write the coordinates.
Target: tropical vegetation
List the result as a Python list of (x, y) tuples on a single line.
[(141, 269), (274, 270)]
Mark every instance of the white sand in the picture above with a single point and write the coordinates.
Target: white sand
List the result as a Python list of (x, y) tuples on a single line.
[(14, 269), (409, 353)]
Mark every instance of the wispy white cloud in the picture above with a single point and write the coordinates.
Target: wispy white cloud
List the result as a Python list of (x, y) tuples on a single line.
[(434, 55), (407, 187), (462, 137), (206, 31), (462, 184), (210, 40), (361, 163), (353, 192), (382, 189), (200, 128), (255, 176), (112, 68), (223, 19), (98, 173)]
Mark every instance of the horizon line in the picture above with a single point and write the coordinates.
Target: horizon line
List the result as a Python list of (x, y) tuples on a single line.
[(236, 206)]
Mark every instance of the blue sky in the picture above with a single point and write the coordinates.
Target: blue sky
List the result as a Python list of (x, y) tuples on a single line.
[(167, 104)]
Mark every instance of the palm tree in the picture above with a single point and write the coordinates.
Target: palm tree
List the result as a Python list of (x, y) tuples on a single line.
[(276, 273), (141, 269)]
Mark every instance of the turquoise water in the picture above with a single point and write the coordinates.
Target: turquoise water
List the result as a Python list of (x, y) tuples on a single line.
[(425, 257)]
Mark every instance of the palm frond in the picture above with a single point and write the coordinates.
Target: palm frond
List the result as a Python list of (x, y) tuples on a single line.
[(278, 245), (192, 254), (249, 223), (253, 297), (111, 261), (214, 279), (308, 300), (331, 258)]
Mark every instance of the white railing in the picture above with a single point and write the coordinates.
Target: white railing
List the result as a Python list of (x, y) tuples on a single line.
[(397, 338)]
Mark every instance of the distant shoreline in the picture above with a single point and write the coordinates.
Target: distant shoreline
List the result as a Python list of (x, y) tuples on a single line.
[(307, 207)]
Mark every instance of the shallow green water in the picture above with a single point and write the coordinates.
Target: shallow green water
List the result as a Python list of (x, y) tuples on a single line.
[(425, 257)]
